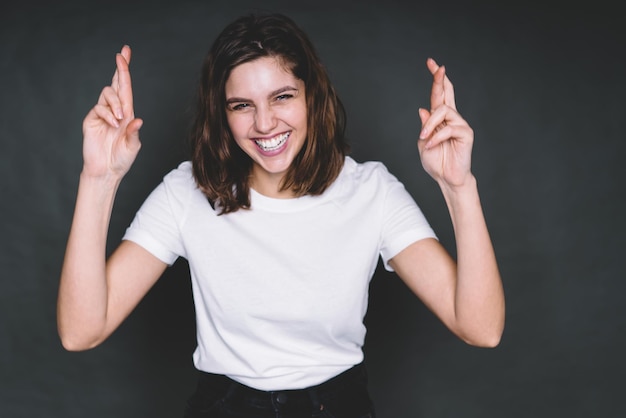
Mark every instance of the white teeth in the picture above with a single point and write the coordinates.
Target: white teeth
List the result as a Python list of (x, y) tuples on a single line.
[(272, 143)]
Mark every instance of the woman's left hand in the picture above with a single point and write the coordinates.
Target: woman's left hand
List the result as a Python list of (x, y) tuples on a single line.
[(445, 142)]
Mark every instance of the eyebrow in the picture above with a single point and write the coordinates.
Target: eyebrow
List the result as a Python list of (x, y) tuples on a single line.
[(274, 93)]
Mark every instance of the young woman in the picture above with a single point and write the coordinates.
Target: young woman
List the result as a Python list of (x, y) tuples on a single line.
[(281, 229)]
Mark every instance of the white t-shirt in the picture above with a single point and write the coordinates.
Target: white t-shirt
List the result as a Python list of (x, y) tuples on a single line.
[(281, 289)]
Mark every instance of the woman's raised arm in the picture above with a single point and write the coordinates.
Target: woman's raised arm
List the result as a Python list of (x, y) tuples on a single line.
[(95, 295), (466, 294)]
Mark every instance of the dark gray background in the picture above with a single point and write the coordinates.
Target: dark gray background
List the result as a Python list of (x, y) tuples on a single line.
[(543, 88)]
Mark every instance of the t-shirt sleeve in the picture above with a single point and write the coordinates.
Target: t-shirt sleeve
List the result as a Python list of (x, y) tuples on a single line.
[(403, 221), (157, 224)]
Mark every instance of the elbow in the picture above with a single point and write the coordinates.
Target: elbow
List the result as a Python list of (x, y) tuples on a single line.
[(483, 332), (73, 341), (78, 335), (75, 346), (489, 337), (489, 341)]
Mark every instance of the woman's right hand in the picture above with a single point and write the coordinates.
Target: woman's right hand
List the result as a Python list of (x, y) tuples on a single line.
[(110, 129)]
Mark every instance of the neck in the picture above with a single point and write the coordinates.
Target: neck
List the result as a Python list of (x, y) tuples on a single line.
[(269, 185)]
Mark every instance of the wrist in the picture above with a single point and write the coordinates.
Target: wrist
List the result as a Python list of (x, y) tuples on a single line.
[(468, 186), (105, 182)]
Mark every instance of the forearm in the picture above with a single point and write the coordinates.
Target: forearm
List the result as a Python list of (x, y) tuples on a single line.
[(479, 296), (82, 299)]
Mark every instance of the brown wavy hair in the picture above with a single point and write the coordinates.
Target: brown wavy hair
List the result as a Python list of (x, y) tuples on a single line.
[(220, 168)]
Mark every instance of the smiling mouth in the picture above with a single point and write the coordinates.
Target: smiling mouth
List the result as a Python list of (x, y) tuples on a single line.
[(272, 143)]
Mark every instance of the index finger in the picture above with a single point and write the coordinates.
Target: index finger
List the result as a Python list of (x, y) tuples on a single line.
[(442, 91)]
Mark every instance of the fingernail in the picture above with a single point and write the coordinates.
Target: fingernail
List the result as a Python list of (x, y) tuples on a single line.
[(423, 134), (119, 114)]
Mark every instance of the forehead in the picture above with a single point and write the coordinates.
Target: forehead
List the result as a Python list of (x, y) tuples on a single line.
[(260, 75)]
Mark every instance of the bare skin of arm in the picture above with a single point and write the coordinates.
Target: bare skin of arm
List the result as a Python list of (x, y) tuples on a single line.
[(466, 294), (96, 294)]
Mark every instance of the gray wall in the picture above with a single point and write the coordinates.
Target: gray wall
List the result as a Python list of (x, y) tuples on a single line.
[(544, 91)]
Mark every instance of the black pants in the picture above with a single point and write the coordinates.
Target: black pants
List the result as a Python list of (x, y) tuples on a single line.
[(344, 396)]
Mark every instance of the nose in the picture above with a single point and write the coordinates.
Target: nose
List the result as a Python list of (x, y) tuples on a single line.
[(264, 119)]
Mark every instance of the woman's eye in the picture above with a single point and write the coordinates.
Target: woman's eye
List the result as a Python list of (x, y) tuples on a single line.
[(284, 97), (239, 106)]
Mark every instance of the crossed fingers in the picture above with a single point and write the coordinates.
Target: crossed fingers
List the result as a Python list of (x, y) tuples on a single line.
[(442, 121), (442, 92), (116, 101)]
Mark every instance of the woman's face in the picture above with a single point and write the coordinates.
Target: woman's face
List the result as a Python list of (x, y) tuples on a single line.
[(267, 114)]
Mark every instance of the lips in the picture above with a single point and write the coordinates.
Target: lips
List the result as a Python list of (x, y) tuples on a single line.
[(272, 144)]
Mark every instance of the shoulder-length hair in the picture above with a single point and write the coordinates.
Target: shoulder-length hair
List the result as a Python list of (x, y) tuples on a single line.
[(220, 168)]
